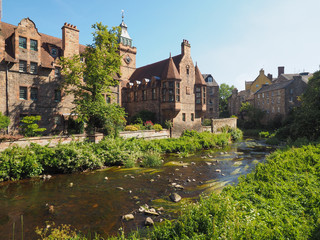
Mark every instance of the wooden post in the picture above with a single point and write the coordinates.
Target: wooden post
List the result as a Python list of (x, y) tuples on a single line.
[(211, 125)]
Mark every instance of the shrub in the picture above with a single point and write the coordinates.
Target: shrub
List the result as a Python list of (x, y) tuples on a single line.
[(143, 116), (148, 125), (206, 122), (30, 127), (131, 128), (157, 127), (168, 124), (4, 121), (264, 134), (151, 159)]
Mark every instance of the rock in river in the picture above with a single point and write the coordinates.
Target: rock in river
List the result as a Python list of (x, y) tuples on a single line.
[(148, 221), (175, 197), (128, 217)]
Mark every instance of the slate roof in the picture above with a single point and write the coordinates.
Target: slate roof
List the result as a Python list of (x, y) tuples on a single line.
[(170, 71), (198, 77), (155, 69), (213, 83), (275, 86), (46, 41), (285, 77)]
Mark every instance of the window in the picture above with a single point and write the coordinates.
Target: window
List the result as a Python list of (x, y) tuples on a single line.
[(262, 95), (278, 92), (209, 79), (22, 66), (178, 92), (278, 100), (171, 95), (33, 68), (259, 95), (211, 109), (198, 89), (57, 72), (23, 93), (163, 94), (108, 99), (291, 99), (257, 85), (192, 117), (33, 45), (187, 70), (210, 102), (144, 95), (34, 94), (291, 91), (129, 97), (183, 117), (153, 93), (204, 95), (273, 109), (57, 95), (198, 101), (272, 94), (22, 42), (278, 109), (171, 84), (135, 96), (54, 52)]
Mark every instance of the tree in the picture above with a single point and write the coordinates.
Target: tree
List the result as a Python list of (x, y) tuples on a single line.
[(250, 115), (4, 121), (89, 80), (29, 126), (306, 118), (225, 92)]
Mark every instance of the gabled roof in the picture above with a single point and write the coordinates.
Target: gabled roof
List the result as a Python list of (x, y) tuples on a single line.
[(170, 71), (213, 83), (154, 69), (46, 41), (275, 86), (198, 77), (285, 77)]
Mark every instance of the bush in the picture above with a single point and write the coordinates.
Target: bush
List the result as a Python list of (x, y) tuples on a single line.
[(131, 128), (157, 127), (264, 134), (4, 121), (29, 126), (151, 159), (143, 116), (206, 122), (148, 125)]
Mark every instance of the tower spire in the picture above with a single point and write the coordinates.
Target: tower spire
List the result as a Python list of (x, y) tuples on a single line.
[(122, 15)]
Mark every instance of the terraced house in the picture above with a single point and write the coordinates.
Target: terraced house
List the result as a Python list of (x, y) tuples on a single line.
[(174, 88)]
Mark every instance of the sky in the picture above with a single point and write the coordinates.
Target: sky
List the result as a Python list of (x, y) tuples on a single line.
[(230, 39)]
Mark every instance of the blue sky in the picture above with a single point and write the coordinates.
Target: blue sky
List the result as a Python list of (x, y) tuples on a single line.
[(231, 39)]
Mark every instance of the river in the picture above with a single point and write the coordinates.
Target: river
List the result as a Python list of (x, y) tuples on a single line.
[(91, 203)]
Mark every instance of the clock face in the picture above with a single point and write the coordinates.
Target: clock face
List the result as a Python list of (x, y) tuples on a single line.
[(127, 59)]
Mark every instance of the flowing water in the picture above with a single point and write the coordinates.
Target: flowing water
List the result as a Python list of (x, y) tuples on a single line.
[(91, 203)]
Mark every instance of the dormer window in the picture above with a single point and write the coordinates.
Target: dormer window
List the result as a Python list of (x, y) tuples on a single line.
[(54, 52), (22, 42), (210, 79), (33, 45)]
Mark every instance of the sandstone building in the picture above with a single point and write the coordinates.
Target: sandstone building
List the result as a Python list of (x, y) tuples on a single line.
[(212, 97), (30, 76)]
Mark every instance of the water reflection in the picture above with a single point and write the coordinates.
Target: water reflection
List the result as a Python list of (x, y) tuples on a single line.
[(92, 203)]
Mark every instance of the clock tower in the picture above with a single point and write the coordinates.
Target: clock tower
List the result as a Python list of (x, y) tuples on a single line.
[(127, 52)]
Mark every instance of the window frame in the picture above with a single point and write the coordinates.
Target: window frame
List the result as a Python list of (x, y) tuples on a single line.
[(57, 97), (25, 66), (25, 97), (22, 44), (32, 94), (35, 65), (34, 45)]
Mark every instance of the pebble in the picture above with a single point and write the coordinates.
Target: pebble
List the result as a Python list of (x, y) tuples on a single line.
[(128, 217), (119, 188), (218, 170), (106, 178), (71, 184), (148, 221)]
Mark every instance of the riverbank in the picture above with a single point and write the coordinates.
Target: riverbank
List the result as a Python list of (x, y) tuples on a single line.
[(35, 160)]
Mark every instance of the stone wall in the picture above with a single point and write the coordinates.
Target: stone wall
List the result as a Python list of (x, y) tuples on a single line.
[(52, 141), (147, 134), (219, 123)]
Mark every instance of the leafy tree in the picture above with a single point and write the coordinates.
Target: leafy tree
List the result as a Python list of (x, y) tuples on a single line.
[(29, 126), (306, 118), (250, 115), (89, 80), (4, 121), (225, 92)]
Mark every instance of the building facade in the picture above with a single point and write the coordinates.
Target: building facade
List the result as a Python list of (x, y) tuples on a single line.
[(212, 97), (30, 73), (174, 89)]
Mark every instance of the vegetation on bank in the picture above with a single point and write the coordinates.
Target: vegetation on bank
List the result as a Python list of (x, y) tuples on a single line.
[(34, 160), (280, 199)]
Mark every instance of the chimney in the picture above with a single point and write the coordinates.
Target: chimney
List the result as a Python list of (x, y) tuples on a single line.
[(280, 71), (70, 40), (261, 71), (270, 76), (185, 48)]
